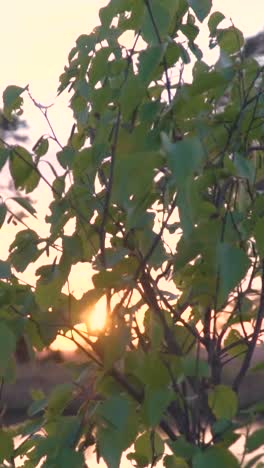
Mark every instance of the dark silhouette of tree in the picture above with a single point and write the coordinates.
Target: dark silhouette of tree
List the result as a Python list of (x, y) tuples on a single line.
[(10, 128)]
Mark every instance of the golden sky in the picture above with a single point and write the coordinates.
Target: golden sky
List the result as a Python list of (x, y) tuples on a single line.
[(36, 37)]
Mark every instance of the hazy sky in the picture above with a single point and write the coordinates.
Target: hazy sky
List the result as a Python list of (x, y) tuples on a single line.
[(37, 37)]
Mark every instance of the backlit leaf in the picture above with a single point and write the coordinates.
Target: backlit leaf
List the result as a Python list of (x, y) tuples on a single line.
[(149, 60), (233, 265), (184, 158), (24, 249), (215, 456), (223, 402), (7, 346), (259, 235), (25, 204), (170, 461), (41, 147), (156, 401), (119, 431), (215, 18), (230, 40), (3, 212), (201, 8), (12, 100), (21, 166), (5, 270), (6, 445), (4, 154), (255, 440)]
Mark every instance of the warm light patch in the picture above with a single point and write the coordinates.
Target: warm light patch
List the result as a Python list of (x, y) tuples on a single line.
[(66, 343), (94, 321), (97, 316)]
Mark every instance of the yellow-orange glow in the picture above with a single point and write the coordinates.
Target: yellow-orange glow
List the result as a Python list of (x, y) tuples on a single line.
[(97, 317), (94, 322), (63, 344), (66, 343)]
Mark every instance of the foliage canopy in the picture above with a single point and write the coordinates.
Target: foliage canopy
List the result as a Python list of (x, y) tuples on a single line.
[(160, 180)]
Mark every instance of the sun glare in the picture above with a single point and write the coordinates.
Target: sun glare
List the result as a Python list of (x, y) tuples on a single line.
[(97, 317), (94, 322)]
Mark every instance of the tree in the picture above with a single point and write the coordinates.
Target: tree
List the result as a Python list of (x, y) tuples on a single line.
[(159, 177)]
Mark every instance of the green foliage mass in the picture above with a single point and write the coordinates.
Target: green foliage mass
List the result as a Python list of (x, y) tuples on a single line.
[(158, 179)]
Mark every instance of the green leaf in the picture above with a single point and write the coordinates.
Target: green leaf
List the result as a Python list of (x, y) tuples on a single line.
[(114, 7), (59, 185), (4, 155), (24, 249), (152, 372), (3, 212), (85, 43), (215, 18), (77, 140), (190, 31), (156, 402), (201, 8), (119, 430), (206, 80), (21, 167), (12, 100), (245, 168), (116, 411), (235, 338), (67, 458), (255, 440), (122, 274), (193, 367), (230, 40), (223, 402), (127, 178), (6, 445), (5, 270), (37, 406), (259, 236), (184, 158), (149, 60), (171, 461), (114, 345), (182, 448), (154, 329), (233, 265), (41, 147), (66, 157), (59, 399), (99, 65), (7, 347), (50, 283), (253, 462), (146, 446), (132, 93), (163, 12), (25, 204), (216, 457)]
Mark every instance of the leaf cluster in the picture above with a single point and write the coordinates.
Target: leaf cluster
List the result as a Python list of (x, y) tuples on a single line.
[(160, 180)]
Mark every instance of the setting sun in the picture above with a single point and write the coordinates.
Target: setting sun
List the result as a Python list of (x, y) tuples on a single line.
[(94, 322), (97, 316)]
